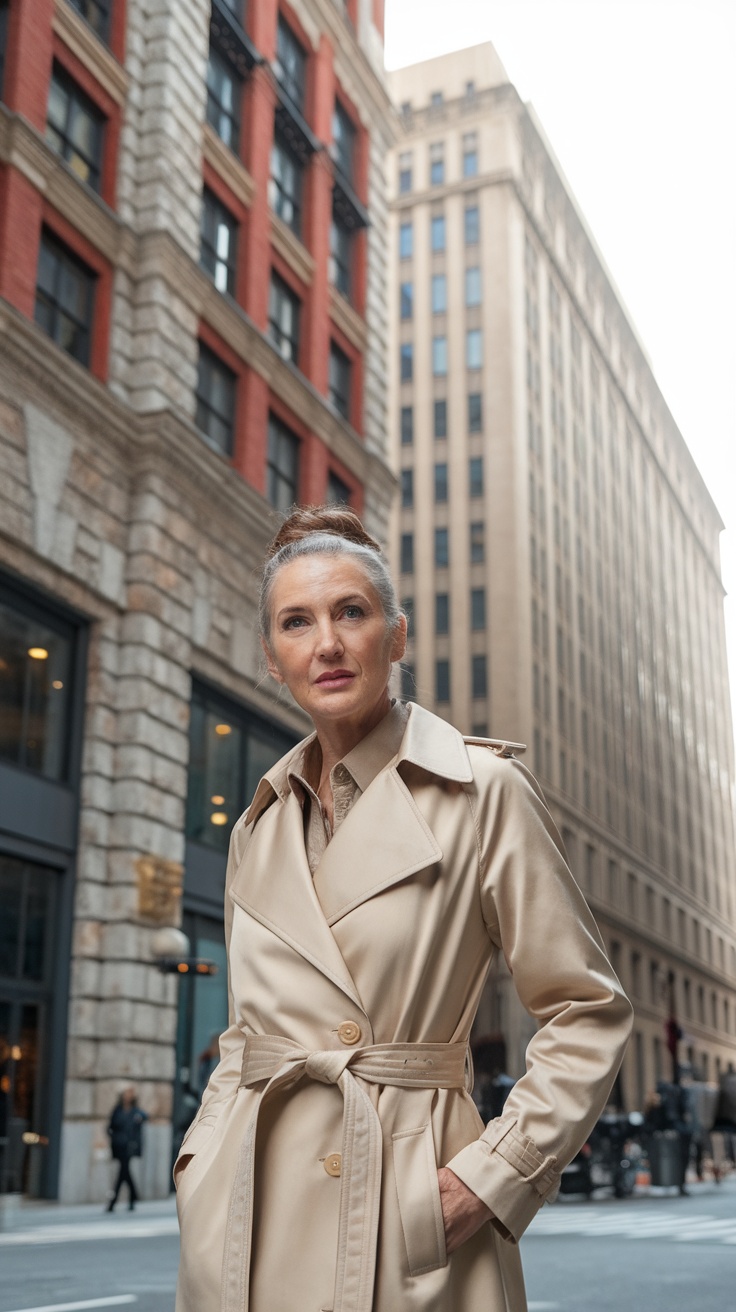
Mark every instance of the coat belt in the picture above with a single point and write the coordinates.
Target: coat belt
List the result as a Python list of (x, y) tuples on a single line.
[(281, 1063)]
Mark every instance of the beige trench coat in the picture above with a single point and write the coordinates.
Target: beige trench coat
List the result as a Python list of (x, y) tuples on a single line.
[(308, 1180)]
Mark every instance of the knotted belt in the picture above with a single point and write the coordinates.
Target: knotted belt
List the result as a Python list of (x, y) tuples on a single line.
[(282, 1063)]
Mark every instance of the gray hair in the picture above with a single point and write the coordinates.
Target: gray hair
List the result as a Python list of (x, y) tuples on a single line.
[(329, 544)]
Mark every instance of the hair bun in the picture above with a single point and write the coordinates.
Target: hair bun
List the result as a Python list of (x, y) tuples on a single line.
[(335, 519)]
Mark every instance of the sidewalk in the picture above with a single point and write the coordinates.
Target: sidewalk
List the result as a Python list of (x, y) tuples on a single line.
[(41, 1221)]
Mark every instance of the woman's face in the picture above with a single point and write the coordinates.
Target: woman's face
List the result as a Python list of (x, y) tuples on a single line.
[(329, 642)]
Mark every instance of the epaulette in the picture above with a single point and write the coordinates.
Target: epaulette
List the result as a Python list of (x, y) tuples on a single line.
[(499, 746)]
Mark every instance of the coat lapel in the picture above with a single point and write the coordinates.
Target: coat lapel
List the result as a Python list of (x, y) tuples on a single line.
[(383, 839), (273, 883)]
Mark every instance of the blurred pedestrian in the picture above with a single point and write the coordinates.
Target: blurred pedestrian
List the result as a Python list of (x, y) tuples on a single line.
[(126, 1141)]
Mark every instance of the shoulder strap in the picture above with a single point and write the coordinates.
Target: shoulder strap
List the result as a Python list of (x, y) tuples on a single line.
[(499, 746)]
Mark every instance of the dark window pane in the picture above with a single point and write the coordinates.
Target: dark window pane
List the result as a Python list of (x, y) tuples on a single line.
[(338, 492), (408, 682), (406, 298), (475, 476), (285, 186), (478, 608), (283, 465), (442, 681), (27, 898), (472, 225), (343, 141), (341, 258), (440, 418), (407, 488), (290, 64), (215, 776), (440, 482), (406, 241), (442, 612), (340, 380), (477, 542), (407, 425), (4, 10), (438, 232), (441, 547), (224, 96), (478, 676), (439, 293), (35, 692), (475, 412), (407, 553), (74, 127), (219, 231), (407, 362), (97, 14), (216, 392), (64, 297), (283, 319)]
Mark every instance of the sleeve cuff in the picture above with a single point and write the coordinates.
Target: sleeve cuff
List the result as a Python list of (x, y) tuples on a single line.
[(509, 1174)]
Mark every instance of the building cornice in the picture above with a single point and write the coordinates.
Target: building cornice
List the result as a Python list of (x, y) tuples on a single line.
[(227, 166), (292, 251), (79, 37)]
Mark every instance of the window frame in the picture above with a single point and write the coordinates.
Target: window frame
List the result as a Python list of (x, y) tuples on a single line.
[(406, 301), (439, 302), (406, 362), (213, 207), (441, 614), (476, 477), (342, 251), (406, 425), (76, 101), (441, 482), (281, 437), (281, 294), (290, 82), (441, 552), (439, 356), (474, 349), (478, 676), (340, 397), (406, 240), (437, 234), (478, 611), (473, 294), (217, 57), (442, 681), (67, 259), (471, 227), (439, 408), (104, 7), (280, 197), (209, 357), (475, 412)]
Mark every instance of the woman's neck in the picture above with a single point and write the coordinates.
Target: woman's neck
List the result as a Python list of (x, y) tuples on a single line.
[(338, 737)]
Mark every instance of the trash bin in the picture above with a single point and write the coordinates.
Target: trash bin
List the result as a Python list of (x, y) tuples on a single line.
[(664, 1158)]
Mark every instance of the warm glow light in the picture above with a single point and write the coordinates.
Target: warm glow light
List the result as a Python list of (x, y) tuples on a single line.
[(223, 729), (38, 653), (15, 1052), (57, 684), (217, 800), (182, 968), (218, 818)]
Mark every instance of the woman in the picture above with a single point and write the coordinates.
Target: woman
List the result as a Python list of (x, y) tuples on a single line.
[(126, 1142), (338, 1161)]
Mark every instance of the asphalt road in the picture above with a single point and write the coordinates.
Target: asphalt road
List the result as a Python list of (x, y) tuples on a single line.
[(661, 1254)]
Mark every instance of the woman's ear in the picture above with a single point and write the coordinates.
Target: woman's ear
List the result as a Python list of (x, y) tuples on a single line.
[(398, 639), (270, 662)]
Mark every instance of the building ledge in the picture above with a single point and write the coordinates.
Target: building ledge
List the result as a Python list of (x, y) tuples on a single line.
[(90, 51)]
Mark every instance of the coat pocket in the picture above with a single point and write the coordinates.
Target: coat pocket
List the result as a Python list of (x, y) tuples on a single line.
[(186, 1165), (420, 1209)]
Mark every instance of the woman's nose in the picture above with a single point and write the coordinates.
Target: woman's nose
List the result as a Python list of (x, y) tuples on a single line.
[(328, 640)]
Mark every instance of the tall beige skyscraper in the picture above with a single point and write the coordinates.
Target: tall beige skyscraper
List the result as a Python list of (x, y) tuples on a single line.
[(558, 549)]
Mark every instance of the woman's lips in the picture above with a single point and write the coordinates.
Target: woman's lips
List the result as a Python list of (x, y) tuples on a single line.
[(335, 679)]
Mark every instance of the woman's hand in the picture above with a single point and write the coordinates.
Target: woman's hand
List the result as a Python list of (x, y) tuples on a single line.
[(463, 1211)]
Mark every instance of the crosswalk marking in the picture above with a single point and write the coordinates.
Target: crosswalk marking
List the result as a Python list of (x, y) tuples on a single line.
[(635, 1225)]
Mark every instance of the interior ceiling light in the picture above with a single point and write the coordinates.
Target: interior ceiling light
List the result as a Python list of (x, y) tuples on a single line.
[(223, 729), (218, 818), (38, 653)]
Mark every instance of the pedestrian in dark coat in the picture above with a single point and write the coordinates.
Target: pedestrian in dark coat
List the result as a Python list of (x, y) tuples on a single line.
[(126, 1140)]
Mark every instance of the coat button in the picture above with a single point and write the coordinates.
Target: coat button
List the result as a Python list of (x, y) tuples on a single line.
[(333, 1164), (349, 1033)]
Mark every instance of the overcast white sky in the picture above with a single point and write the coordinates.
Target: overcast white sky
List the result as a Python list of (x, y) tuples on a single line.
[(638, 99)]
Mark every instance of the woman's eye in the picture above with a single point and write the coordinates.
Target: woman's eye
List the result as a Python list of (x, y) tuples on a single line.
[(294, 622), (353, 612)]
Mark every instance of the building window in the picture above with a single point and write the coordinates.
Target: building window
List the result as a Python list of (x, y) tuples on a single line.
[(475, 412), (437, 231), (472, 225), (407, 300), (341, 371), (474, 348), (442, 547), (338, 492), (75, 127), (470, 154), (216, 390), (407, 488), (406, 362), (436, 100), (290, 64), (406, 241), (229, 751), (479, 676), (440, 482), (440, 418), (282, 473), (283, 318), (407, 553), (472, 286), (436, 164), (36, 674), (97, 14), (285, 186), (477, 609), (475, 476), (442, 681), (65, 293), (439, 293), (439, 356), (408, 682), (407, 425), (477, 542), (341, 257), (224, 97), (343, 141), (218, 247), (442, 613), (405, 172), (4, 10)]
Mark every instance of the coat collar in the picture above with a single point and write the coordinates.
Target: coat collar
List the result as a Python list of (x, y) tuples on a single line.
[(384, 839), (428, 741)]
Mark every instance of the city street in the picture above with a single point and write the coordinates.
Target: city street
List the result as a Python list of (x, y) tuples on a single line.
[(665, 1253)]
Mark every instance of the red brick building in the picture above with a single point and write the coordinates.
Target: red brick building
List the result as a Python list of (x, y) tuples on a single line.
[(192, 337)]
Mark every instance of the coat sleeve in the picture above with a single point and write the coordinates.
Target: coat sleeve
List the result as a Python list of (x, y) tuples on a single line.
[(537, 916)]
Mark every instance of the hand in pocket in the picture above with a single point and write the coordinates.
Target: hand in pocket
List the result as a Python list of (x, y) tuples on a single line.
[(463, 1211)]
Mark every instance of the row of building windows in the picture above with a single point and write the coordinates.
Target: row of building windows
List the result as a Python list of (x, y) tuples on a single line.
[(436, 163), (473, 355), (442, 612), (477, 547), (439, 418), (438, 232), (438, 297), (441, 482)]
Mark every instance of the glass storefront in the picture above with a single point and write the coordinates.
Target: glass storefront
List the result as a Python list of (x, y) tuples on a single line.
[(35, 692)]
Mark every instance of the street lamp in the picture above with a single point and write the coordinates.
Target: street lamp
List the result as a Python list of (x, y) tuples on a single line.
[(171, 950)]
